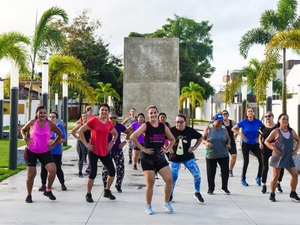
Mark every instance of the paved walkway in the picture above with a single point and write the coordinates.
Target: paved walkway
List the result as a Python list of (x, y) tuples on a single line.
[(245, 205)]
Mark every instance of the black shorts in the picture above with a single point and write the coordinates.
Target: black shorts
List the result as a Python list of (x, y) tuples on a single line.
[(155, 164), (31, 158), (232, 150)]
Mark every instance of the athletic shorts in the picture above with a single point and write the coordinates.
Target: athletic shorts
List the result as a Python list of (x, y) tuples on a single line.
[(31, 158), (232, 150), (155, 164)]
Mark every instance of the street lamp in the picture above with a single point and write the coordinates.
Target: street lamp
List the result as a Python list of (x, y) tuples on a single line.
[(13, 129), (45, 84), (56, 101), (244, 96), (1, 107), (269, 96), (65, 104)]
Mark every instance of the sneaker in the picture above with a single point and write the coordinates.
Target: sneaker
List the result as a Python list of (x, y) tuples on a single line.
[(294, 196), (230, 173), (50, 195), (80, 174), (42, 188), (198, 196), (171, 198), (279, 188), (272, 197), (130, 162), (244, 183), (134, 167), (119, 189), (258, 181), (28, 199), (89, 198), (168, 208), (63, 187), (149, 210), (108, 194), (226, 191), (210, 192), (264, 189)]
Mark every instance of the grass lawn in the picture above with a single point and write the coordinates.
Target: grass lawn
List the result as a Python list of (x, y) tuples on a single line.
[(4, 159)]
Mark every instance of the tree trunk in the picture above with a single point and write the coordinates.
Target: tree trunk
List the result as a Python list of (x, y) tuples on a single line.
[(284, 94)]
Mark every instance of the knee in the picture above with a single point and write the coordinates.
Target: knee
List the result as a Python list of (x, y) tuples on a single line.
[(51, 168)]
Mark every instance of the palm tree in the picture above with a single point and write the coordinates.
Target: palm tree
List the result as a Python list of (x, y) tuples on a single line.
[(59, 65), (271, 23), (12, 47), (104, 91), (194, 92), (46, 36)]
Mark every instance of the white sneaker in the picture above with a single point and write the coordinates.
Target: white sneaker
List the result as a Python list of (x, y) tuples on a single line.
[(168, 208), (149, 210)]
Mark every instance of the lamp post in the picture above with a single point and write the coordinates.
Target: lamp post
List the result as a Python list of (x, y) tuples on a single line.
[(65, 105), (1, 107), (269, 96), (244, 96), (298, 109), (13, 130), (56, 101), (45, 84)]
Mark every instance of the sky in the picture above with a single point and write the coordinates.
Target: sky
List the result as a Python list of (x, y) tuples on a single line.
[(230, 20)]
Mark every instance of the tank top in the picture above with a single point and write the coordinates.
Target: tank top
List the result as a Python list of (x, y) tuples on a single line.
[(39, 137), (218, 138), (154, 138), (230, 133)]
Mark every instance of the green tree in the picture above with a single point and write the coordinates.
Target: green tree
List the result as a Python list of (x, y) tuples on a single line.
[(271, 23), (12, 46), (104, 91), (194, 92), (59, 65), (46, 37), (83, 43), (195, 49)]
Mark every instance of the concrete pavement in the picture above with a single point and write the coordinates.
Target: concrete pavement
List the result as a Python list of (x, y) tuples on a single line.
[(245, 205)]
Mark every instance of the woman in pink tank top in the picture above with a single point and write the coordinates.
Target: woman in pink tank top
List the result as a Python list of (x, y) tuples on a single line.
[(38, 148)]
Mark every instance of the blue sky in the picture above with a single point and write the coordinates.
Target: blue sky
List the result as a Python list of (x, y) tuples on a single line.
[(230, 20)]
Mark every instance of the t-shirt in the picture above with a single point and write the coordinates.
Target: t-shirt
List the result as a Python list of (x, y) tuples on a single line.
[(265, 132), (183, 142), (140, 138), (154, 138), (57, 150), (119, 128), (250, 130), (99, 135)]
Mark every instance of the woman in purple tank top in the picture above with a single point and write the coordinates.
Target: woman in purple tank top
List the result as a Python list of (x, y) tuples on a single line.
[(38, 147)]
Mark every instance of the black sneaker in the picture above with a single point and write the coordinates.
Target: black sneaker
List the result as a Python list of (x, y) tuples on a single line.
[(50, 195), (210, 192), (226, 191), (63, 187), (171, 198), (42, 188), (89, 198), (279, 188), (198, 196), (130, 162), (119, 189), (294, 196), (80, 174), (264, 189), (28, 199), (272, 197), (108, 194), (134, 167)]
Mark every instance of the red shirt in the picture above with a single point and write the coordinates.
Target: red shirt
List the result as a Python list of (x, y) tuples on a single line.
[(99, 135)]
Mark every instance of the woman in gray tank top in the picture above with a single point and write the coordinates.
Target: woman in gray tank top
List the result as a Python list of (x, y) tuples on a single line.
[(284, 138), (217, 142)]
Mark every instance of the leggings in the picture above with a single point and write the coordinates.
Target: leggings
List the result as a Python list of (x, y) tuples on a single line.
[(265, 155), (254, 148), (211, 167), (106, 161), (82, 153), (118, 157), (59, 172), (192, 167)]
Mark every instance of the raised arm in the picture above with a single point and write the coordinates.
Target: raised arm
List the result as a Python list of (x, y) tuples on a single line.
[(268, 142), (74, 130), (171, 139), (81, 131)]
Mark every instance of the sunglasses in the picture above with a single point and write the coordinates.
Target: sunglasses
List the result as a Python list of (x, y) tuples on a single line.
[(268, 116), (180, 122), (113, 117)]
